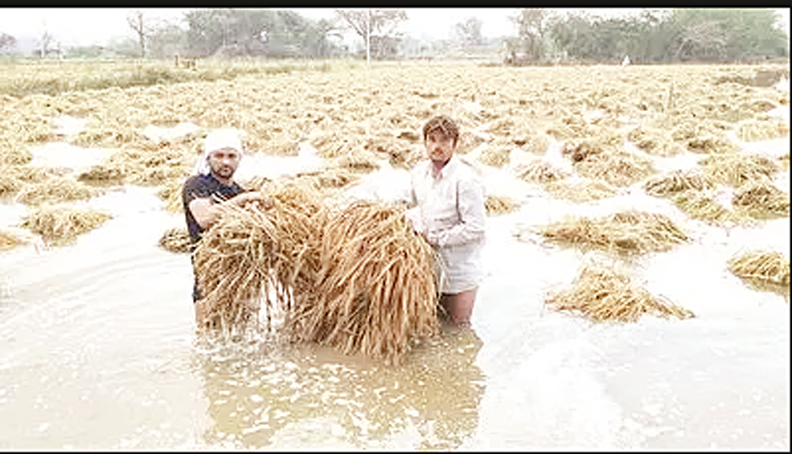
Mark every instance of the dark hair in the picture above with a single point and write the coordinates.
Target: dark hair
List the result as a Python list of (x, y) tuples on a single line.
[(444, 125)]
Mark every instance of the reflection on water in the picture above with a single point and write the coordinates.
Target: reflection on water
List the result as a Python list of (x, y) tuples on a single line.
[(305, 396)]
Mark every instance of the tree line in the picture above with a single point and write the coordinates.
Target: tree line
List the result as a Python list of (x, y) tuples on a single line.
[(542, 35), (653, 36)]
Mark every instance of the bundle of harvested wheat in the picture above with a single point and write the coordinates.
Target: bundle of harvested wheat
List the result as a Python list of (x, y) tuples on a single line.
[(603, 294), (376, 290), (675, 181), (171, 194), (617, 168), (762, 198), (579, 190), (734, 169), (500, 205), (540, 171), (704, 205), (495, 155), (176, 239), (55, 189), (9, 183), (250, 256), (581, 149), (14, 153), (703, 136), (629, 231), (61, 224), (654, 141), (531, 140), (8, 239), (753, 129), (762, 265), (101, 173)]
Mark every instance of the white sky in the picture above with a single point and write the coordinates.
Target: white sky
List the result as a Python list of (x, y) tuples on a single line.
[(74, 26)]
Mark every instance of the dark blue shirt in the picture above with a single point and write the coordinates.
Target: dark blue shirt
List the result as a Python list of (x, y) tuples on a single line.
[(204, 186)]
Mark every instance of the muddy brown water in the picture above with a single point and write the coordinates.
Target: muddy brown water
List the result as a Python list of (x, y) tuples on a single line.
[(99, 350)]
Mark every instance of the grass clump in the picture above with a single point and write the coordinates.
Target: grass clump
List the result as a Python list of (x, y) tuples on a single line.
[(766, 266), (495, 205)]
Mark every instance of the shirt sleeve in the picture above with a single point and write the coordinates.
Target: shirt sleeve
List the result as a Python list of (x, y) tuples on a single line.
[(470, 202), (193, 189)]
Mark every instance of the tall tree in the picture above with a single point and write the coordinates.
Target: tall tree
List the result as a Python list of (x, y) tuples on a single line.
[(6, 41), (380, 24), (530, 33), (469, 31), (140, 25)]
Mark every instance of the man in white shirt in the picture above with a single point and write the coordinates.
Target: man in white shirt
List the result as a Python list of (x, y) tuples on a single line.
[(450, 215)]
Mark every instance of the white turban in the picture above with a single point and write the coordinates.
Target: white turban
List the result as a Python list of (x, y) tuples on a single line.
[(215, 140)]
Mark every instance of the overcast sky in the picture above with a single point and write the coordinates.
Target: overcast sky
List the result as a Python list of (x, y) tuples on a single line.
[(73, 26)]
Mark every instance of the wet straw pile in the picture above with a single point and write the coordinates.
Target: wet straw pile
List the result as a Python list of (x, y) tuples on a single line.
[(600, 293), (734, 169), (706, 206), (495, 205), (674, 182), (539, 171), (253, 255), (579, 190), (376, 289), (176, 239), (357, 278), (761, 198), (60, 224), (765, 266), (628, 231), (55, 189)]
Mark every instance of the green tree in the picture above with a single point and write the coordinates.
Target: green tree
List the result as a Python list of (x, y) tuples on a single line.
[(468, 31), (377, 27)]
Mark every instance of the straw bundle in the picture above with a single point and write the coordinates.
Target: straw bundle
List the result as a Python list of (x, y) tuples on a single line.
[(101, 173), (8, 239), (581, 149), (55, 189), (250, 256), (763, 198), (540, 171), (753, 129), (496, 155), (624, 232), (358, 159), (376, 289), (531, 140), (618, 168), (176, 239), (762, 265), (9, 183), (30, 173), (674, 182), (703, 205), (734, 169), (171, 194), (654, 142), (60, 224), (580, 190), (602, 294), (703, 137), (500, 205), (13, 152)]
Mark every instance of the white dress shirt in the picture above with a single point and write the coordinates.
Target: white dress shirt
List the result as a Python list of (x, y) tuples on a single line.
[(451, 210)]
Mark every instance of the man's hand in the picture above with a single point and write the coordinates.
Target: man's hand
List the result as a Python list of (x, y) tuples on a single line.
[(253, 196)]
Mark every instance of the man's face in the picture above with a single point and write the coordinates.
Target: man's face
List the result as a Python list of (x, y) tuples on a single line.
[(224, 162), (439, 147)]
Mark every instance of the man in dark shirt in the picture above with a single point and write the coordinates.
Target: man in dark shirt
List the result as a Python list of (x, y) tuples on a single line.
[(206, 194)]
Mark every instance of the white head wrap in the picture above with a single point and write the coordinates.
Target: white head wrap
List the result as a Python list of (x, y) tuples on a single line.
[(215, 140)]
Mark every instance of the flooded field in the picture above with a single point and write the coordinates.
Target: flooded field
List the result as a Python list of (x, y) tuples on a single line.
[(99, 344)]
